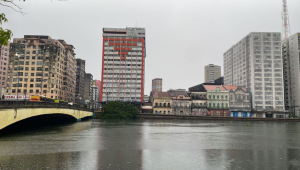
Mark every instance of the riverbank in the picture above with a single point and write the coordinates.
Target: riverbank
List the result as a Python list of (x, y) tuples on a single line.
[(191, 117)]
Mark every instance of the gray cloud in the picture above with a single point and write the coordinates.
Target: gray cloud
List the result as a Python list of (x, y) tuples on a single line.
[(182, 36)]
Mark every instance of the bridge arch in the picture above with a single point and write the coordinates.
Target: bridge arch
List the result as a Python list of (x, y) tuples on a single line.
[(11, 116)]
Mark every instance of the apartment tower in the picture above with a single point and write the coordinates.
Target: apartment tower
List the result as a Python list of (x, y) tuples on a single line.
[(123, 64), (4, 58), (291, 72), (157, 84), (80, 74), (255, 62), (211, 73), (88, 91), (40, 65)]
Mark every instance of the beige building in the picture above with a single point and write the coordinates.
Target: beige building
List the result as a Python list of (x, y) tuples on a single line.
[(161, 102), (40, 65), (4, 57), (181, 104), (211, 73)]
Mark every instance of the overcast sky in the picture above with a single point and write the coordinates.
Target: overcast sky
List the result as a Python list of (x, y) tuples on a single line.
[(182, 36)]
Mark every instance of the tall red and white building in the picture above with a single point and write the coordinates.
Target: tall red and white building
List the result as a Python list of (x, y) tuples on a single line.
[(123, 64)]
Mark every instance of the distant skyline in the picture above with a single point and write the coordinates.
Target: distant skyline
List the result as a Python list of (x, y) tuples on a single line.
[(181, 36)]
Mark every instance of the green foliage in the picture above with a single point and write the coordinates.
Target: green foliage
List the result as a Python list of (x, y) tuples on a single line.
[(119, 110), (6, 34)]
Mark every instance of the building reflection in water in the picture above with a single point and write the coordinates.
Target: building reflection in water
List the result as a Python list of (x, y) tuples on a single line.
[(155, 144)]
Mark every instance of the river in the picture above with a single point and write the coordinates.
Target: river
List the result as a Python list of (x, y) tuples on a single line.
[(154, 145)]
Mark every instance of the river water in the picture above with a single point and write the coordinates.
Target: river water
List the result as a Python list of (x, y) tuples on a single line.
[(154, 145)]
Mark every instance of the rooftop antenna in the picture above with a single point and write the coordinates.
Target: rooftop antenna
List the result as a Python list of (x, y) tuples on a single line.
[(286, 31)]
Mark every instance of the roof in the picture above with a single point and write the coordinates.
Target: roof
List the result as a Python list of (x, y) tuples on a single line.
[(233, 87), (160, 94), (177, 93), (147, 107), (213, 87)]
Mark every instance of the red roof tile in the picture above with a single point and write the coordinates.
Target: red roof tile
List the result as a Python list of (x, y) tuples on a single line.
[(233, 87), (161, 94), (213, 87)]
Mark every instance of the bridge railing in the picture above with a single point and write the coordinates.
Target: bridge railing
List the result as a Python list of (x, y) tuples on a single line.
[(6, 104)]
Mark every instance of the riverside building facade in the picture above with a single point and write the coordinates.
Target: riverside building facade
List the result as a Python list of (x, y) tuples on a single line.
[(40, 65), (4, 58), (123, 64), (255, 62), (291, 70)]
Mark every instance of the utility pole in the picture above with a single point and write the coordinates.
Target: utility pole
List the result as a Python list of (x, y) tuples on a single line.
[(286, 31)]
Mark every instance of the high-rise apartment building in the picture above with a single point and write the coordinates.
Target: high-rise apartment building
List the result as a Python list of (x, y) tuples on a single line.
[(80, 74), (291, 72), (4, 58), (255, 62), (40, 65), (157, 84), (211, 73), (123, 64), (98, 84), (94, 97), (88, 91)]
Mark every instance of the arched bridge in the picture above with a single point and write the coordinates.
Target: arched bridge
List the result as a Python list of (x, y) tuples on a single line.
[(12, 112)]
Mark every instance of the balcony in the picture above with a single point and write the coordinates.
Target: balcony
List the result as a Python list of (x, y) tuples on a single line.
[(161, 106), (199, 106), (220, 108)]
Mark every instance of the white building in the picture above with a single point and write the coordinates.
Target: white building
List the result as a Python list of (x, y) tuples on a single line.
[(255, 62), (94, 97), (291, 70), (123, 64)]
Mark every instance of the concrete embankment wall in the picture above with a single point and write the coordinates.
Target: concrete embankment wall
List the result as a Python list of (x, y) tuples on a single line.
[(188, 117)]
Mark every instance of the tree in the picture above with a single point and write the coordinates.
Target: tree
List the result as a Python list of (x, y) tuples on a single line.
[(6, 34), (118, 110)]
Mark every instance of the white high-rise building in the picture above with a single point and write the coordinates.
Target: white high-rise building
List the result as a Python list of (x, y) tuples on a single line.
[(256, 63), (123, 64), (291, 71), (94, 96)]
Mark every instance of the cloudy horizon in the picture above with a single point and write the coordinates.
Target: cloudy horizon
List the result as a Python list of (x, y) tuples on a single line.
[(181, 36)]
